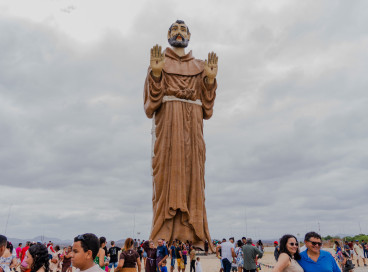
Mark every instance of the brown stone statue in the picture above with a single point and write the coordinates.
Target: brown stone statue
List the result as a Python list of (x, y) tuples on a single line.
[(179, 93)]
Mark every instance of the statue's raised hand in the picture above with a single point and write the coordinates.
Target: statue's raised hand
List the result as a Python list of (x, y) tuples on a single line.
[(157, 60), (210, 67)]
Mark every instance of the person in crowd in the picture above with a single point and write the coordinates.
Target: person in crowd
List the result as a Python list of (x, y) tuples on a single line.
[(192, 255), (198, 265), (365, 249), (38, 258), (338, 252), (162, 252), (347, 263), (239, 256), (67, 260), (113, 254), (184, 254), (260, 245), (219, 253), (289, 254), (251, 254), (85, 249), (347, 248), (314, 259), (172, 255), (163, 266), (228, 254), (19, 250), (24, 250), (351, 249), (101, 258), (144, 254), (205, 248), (151, 251), (8, 261), (129, 258), (358, 251), (3, 243), (179, 256), (276, 252), (55, 260), (140, 250), (50, 249)]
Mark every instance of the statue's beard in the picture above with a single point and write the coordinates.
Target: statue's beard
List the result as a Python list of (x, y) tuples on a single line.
[(174, 43)]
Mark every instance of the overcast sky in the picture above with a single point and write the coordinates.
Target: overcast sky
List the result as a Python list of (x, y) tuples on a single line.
[(287, 146)]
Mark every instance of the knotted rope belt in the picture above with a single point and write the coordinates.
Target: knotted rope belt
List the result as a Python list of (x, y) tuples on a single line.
[(168, 98)]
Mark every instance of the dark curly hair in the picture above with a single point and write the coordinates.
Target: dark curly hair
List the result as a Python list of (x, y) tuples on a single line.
[(40, 257), (283, 249)]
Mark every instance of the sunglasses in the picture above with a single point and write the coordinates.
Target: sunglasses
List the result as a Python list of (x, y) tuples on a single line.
[(316, 243), (293, 244), (80, 237)]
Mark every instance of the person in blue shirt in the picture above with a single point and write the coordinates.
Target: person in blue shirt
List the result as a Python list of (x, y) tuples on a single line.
[(163, 267), (162, 253), (173, 256), (314, 259)]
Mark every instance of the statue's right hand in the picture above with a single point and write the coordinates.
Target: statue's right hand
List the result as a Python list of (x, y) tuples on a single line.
[(157, 60)]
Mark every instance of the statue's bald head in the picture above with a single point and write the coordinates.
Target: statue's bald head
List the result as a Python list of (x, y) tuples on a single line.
[(178, 34)]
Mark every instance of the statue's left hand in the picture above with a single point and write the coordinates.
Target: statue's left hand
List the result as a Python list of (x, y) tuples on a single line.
[(210, 67)]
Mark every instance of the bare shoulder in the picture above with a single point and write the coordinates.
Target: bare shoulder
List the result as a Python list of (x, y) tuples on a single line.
[(284, 257)]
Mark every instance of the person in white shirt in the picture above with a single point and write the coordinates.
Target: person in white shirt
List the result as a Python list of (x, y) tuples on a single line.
[(227, 254), (85, 249), (358, 250), (198, 267)]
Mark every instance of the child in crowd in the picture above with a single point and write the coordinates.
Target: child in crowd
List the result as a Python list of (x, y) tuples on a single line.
[(198, 265), (163, 266)]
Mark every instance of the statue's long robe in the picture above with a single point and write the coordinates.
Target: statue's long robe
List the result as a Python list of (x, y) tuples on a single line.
[(179, 150)]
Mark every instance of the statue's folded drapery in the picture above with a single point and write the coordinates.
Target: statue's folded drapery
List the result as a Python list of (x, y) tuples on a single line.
[(179, 150)]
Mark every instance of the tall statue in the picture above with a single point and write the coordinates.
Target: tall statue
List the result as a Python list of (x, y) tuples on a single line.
[(179, 92)]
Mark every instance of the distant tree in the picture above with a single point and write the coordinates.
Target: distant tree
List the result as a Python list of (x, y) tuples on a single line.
[(327, 238)]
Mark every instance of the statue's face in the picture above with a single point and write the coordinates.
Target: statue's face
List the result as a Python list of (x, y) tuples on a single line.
[(178, 36)]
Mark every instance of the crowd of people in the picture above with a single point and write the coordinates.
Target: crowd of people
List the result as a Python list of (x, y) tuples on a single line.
[(90, 254)]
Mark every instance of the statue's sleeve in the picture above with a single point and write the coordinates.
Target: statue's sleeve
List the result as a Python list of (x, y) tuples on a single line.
[(208, 97), (153, 93)]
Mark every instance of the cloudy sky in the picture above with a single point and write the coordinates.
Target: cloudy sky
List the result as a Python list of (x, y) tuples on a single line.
[(287, 146)]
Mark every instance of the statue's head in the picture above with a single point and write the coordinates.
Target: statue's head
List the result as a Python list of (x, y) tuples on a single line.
[(178, 35)]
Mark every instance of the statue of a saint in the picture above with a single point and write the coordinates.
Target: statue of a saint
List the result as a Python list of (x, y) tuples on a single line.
[(179, 93)]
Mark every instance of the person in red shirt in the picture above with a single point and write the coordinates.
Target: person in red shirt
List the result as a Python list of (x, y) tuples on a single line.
[(24, 250), (18, 250)]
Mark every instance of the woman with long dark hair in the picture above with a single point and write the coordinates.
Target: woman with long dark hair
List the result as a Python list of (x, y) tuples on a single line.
[(289, 254), (129, 258), (101, 258), (38, 258)]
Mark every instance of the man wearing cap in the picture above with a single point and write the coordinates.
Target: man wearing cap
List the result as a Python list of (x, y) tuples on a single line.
[(250, 254), (358, 250), (276, 253)]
